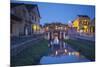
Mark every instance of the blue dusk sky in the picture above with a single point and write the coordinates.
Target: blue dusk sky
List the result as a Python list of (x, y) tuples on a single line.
[(54, 12)]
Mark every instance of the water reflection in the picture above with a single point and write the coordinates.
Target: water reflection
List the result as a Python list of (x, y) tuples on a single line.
[(69, 53), (65, 50), (59, 48), (61, 52), (56, 52)]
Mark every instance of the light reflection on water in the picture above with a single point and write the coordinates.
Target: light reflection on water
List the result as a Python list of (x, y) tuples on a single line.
[(62, 49), (62, 53)]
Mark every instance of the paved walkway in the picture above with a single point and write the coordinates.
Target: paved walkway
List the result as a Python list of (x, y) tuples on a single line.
[(86, 38), (18, 47), (22, 43)]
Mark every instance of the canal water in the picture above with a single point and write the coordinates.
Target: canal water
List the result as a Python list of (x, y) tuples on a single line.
[(61, 52)]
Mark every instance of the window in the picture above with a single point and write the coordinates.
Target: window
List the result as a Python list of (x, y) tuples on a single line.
[(32, 17), (35, 19), (85, 22), (24, 13)]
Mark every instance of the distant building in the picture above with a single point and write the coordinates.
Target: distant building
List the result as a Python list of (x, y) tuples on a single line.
[(23, 17), (55, 29), (81, 23), (55, 26)]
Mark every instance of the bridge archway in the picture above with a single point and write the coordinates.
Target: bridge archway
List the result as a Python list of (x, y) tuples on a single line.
[(59, 34)]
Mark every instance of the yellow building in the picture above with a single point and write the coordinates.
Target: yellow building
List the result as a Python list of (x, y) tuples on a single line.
[(81, 23)]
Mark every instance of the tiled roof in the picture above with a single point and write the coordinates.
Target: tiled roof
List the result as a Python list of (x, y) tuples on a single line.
[(28, 6)]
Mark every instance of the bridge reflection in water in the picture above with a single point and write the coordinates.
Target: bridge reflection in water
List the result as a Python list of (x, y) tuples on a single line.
[(61, 52), (62, 49)]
